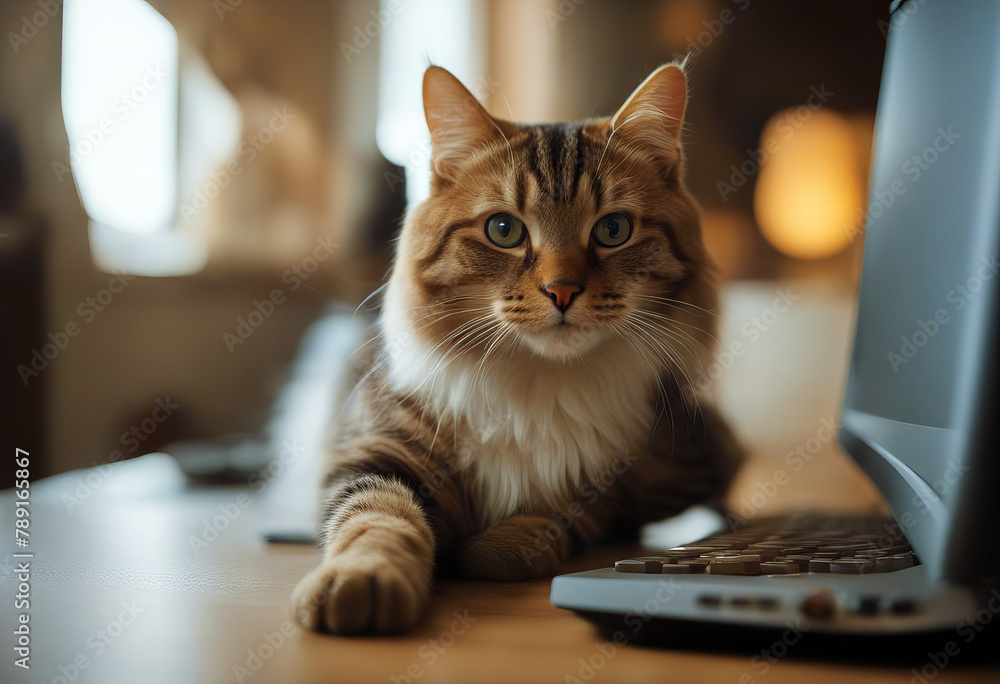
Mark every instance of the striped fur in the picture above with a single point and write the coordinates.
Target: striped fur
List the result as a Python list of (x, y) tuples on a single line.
[(491, 433)]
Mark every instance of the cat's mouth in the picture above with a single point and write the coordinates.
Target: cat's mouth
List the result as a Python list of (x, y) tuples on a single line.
[(562, 340)]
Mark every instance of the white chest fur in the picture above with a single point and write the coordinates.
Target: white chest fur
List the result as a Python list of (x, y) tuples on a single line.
[(532, 431)]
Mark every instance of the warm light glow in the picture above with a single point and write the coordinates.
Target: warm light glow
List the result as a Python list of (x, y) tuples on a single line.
[(119, 101), (414, 35), (809, 186)]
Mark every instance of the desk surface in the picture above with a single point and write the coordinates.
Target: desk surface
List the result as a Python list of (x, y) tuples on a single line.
[(120, 593)]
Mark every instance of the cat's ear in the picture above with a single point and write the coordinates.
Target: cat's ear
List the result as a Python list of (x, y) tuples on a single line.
[(457, 122), (654, 112)]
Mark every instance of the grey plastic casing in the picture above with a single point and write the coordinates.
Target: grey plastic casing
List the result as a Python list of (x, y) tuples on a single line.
[(920, 405)]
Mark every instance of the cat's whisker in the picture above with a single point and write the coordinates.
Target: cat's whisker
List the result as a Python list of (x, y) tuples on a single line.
[(656, 371), (438, 317), (376, 291), (476, 333), (675, 302), (678, 335), (682, 338), (380, 333), (671, 369), (491, 344), (672, 356), (508, 334), (673, 320), (666, 325), (442, 302)]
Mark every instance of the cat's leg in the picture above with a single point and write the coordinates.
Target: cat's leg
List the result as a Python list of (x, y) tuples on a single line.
[(378, 556), (517, 548)]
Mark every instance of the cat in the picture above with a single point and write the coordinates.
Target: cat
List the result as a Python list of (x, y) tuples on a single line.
[(528, 389)]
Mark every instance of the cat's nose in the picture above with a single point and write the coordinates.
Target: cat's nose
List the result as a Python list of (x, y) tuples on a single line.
[(562, 293)]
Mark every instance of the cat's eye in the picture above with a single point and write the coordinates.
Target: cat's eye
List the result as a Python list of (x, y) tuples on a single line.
[(612, 230), (505, 230)]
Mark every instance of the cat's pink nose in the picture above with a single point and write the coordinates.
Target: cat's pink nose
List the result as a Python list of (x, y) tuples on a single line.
[(562, 294)]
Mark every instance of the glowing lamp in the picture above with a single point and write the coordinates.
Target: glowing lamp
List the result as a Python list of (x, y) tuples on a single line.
[(809, 186)]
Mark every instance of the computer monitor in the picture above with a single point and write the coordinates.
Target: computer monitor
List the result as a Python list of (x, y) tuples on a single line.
[(920, 405)]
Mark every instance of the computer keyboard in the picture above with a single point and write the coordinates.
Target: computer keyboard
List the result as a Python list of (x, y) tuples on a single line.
[(838, 544)]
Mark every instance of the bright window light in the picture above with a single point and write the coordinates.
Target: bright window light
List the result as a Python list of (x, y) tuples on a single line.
[(119, 99), (416, 34)]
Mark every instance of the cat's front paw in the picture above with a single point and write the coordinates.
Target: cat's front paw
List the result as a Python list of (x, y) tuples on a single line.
[(517, 548), (356, 593)]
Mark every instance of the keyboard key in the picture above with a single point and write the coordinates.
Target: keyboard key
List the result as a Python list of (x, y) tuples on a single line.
[(653, 563), (893, 563), (765, 552), (630, 566), (819, 565), (894, 550), (846, 549), (874, 553), (852, 566), (696, 550), (736, 566), (677, 553), (682, 569), (776, 567), (696, 565)]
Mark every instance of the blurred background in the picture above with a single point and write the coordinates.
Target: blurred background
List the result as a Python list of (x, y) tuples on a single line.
[(189, 188)]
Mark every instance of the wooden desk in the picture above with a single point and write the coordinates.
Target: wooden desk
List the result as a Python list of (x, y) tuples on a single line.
[(120, 594)]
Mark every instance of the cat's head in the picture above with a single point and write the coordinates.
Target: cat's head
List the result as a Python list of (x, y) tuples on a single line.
[(555, 241)]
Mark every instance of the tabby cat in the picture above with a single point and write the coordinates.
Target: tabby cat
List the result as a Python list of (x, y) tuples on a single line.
[(527, 392)]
